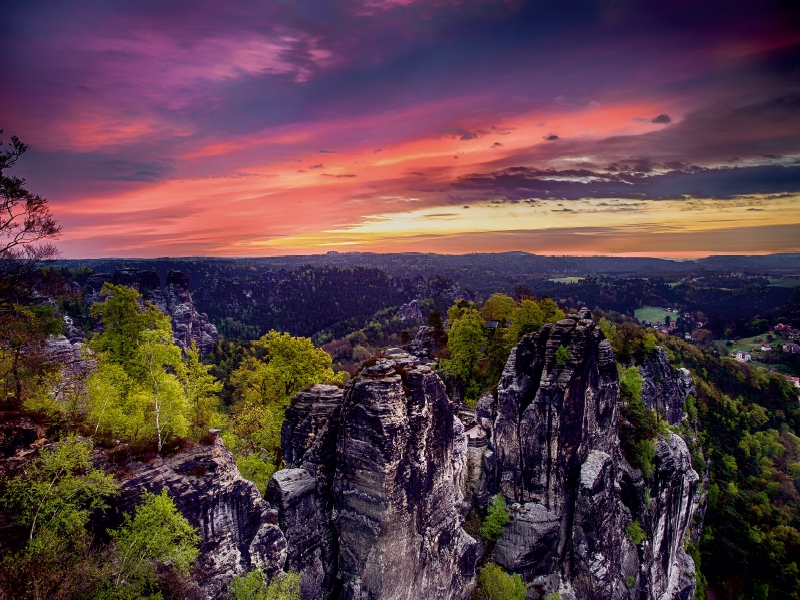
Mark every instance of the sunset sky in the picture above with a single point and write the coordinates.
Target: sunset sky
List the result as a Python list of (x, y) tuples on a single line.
[(176, 128)]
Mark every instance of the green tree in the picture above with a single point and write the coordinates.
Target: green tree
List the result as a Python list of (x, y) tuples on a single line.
[(255, 586), (562, 356), (640, 424), (465, 343), (202, 395), (496, 519), (527, 318), (290, 365), (262, 389), (157, 533), (496, 584), (58, 490), (136, 392), (498, 307)]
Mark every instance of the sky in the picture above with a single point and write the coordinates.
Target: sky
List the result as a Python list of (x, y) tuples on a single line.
[(237, 128)]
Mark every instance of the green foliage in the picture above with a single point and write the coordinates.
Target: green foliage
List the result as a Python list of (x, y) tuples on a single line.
[(748, 424), (157, 533), (136, 392), (263, 384), (498, 307), (254, 586), (496, 584), (465, 340), (202, 395), (562, 356), (58, 490), (254, 469), (630, 581), (527, 318), (640, 425), (496, 519), (635, 532)]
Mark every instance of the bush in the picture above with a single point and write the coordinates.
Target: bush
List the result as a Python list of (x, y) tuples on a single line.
[(635, 532), (254, 586), (562, 356), (496, 518), (495, 584)]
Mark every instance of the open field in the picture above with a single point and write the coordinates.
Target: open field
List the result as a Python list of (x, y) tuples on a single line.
[(653, 314), (788, 283)]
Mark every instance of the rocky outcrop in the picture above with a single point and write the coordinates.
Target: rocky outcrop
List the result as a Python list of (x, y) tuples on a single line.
[(424, 344), (664, 389), (394, 502), (187, 324), (410, 313), (553, 452), (174, 300), (238, 529)]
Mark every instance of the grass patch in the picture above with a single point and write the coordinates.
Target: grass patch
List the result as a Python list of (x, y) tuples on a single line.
[(787, 283), (653, 314)]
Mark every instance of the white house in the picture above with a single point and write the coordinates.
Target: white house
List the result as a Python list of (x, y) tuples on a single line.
[(743, 356)]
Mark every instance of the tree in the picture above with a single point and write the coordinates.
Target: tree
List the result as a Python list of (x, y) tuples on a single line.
[(25, 218), (157, 533), (562, 356), (465, 343), (496, 584), (263, 387), (58, 490), (496, 519), (136, 391), (527, 318), (290, 365), (498, 307), (202, 394), (254, 586)]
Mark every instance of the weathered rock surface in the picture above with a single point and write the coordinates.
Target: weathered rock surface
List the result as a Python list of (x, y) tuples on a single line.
[(553, 452), (174, 300), (187, 324), (400, 462), (238, 529), (424, 344), (663, 389)]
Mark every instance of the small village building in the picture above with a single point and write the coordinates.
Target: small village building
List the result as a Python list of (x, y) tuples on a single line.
[(791, 347), (766, 348), (743, 356)]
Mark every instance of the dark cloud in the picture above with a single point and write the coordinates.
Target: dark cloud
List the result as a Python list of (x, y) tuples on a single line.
[(327, 151), (316, 166), (377, 150), (662, 118), (496, 145), (551, 138), (574, 184)]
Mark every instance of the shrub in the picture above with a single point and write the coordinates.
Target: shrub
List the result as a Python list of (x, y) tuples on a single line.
[(496, 518), (254, 586), (635, 532), (495, 584), (562, 355)]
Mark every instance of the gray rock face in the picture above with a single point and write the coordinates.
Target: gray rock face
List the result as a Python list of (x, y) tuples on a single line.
[(238, 529), (174, 300), (399, 464), (664, 390), (424, 344), (553, 452), (187, 324), (302, 492)]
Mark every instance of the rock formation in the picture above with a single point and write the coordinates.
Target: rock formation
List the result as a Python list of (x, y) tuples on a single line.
[(174, 300), (664, 390), (238, 529), (187, 324), (379, 517), (553, 452)]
